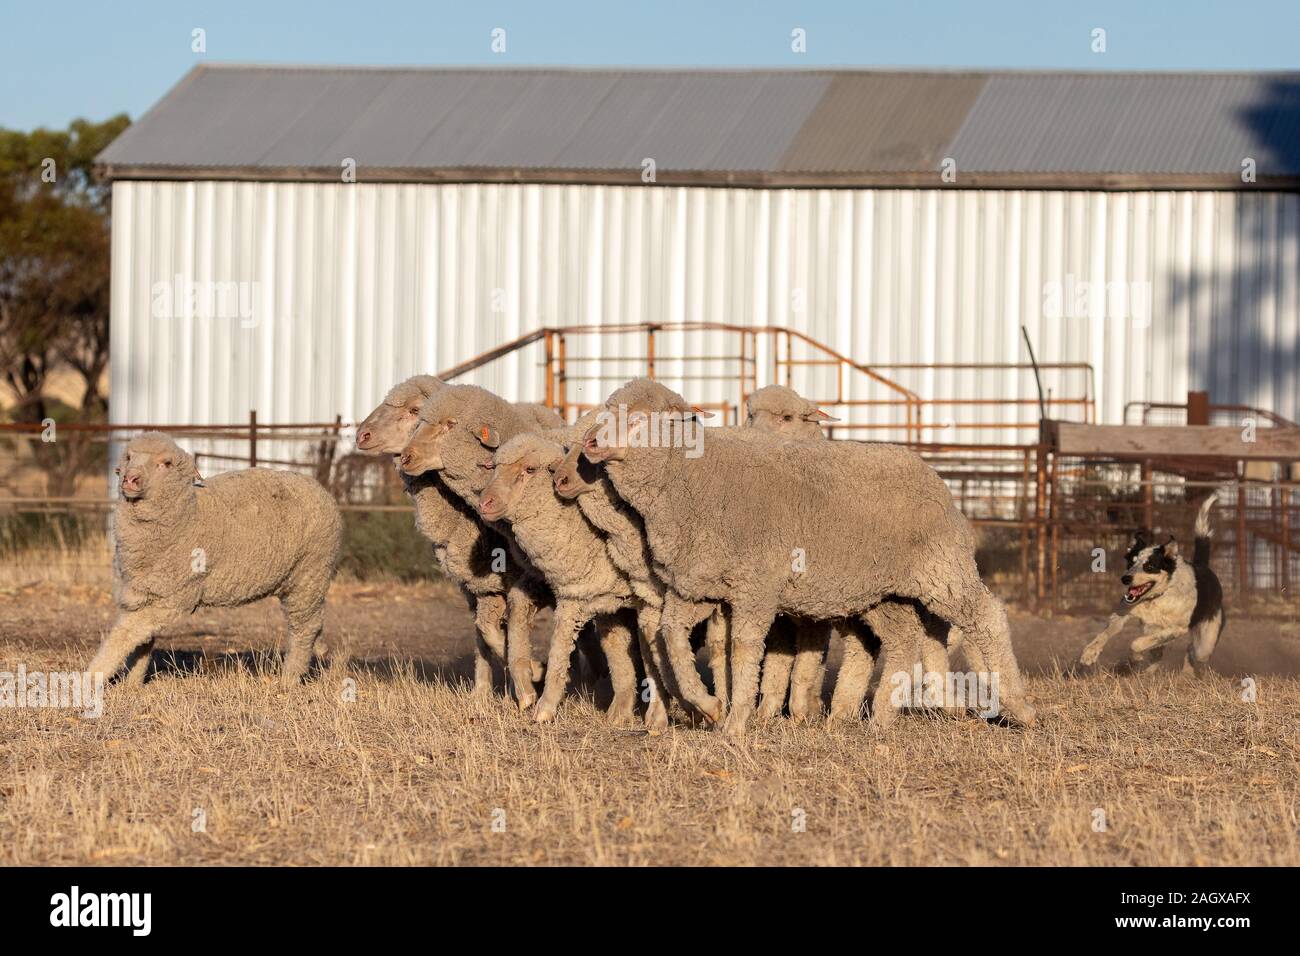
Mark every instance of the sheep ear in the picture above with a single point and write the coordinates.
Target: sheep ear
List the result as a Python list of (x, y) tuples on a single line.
[(701, 412), (488, 437), (817, 415)]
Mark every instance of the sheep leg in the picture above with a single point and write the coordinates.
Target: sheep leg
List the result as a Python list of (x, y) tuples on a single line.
[(521, 610), (900, 628), (860, 649), (983, 620), (749, 633), (716, 630), (811, 640), (647, 626), (306, 619), (778, 662), (616, 642), (132, 630), (679, 617), (570, 618), (137, 664)]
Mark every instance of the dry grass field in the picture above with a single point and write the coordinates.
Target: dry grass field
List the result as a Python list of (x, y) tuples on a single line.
[(386, 758)]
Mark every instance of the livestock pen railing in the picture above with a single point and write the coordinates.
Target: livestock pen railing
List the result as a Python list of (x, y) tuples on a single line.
[(719, 365)]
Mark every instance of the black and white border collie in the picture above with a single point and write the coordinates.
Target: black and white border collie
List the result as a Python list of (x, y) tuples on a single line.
[(1171, 596)]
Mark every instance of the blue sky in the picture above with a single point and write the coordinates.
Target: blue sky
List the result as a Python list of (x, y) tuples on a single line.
[(94, 59)]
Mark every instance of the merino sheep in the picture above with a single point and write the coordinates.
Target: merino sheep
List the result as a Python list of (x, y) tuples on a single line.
[(460, 428), (783, 411), (861, 522), (795, 651), (182, 543), (571, 556), (469, 553), (578, 479)]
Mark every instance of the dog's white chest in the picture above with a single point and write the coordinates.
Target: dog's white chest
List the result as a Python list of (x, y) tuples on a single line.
[(1174, 605)]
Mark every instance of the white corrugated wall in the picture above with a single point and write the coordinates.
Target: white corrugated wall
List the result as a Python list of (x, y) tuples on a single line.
[(348, 288)]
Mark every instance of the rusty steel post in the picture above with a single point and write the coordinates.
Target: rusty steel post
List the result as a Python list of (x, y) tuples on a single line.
[(252, 438), (1040, 519), (1023, 514), (550, 369), (1284, 493), (1148, 496), (1242, 546), (650, 353), (562, 385)]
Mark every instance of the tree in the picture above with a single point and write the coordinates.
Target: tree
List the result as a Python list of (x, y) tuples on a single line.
[(54, 261)]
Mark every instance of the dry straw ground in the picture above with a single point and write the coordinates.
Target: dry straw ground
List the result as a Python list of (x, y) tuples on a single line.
[(416, 770)]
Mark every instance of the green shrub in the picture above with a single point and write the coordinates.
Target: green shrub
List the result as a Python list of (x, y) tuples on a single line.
[(385, 545)]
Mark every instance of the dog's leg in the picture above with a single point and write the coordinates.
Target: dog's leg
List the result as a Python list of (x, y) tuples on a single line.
[(1146, 651), (1205, 636), (1089, 655)]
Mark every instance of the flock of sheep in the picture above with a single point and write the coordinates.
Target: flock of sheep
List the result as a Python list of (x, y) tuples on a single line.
[(638, 526)]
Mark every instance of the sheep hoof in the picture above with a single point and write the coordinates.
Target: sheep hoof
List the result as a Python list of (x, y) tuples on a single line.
[(526, 701), (883, 718), (712, 709), (734, 726), (1021, 711), (544, 714), (768, 711)]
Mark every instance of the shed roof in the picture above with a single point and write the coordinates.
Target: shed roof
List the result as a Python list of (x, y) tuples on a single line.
[(720, 127)]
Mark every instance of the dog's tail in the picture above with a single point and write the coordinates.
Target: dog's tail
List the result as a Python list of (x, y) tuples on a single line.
[(1203, 532)]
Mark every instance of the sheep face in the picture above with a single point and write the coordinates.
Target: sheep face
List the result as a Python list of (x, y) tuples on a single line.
[(522, 462), (451, 446), (784, 412), (575, 475), (154, 475), (388, 428)]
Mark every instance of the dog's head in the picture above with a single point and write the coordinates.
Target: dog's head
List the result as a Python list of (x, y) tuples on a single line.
[(1150, 568)]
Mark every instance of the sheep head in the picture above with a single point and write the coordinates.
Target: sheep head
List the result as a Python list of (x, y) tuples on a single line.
[(524, 461), (460, 428), (388, 428), (783, 411), (155, 477), (641, 414), (575, 475)]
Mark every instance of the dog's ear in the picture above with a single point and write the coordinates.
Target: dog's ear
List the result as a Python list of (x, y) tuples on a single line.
[(1170, 547)]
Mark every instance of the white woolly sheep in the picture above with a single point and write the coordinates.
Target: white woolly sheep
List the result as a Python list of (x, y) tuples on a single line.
[(570, 554), (870, 520), (460, 428), (469, 554), (182, 543), (783, 411), (625, 542)]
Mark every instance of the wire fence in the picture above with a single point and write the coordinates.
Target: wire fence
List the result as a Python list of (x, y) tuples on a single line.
[(1053, 528)]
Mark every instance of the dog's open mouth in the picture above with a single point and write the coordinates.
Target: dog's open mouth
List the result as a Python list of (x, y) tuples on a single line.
[(1137, 591)]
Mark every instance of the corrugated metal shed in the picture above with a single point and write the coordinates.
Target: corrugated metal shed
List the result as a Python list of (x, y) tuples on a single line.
[(739, 127), (351, 288)]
